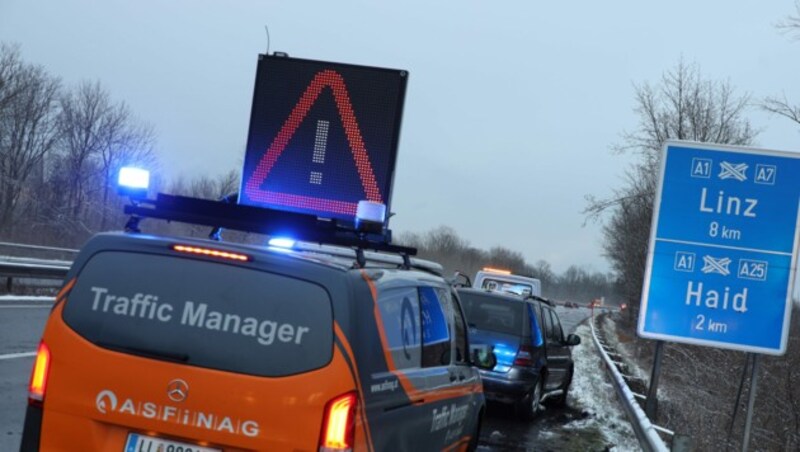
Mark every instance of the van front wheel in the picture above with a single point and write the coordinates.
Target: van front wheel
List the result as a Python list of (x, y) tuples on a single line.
[(473, 442)]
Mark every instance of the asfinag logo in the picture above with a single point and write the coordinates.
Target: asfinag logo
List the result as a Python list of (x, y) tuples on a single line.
[(103, 397), (108, 403)]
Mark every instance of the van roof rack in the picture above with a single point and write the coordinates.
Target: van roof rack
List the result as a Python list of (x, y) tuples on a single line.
[(381, 258), (271, 222)]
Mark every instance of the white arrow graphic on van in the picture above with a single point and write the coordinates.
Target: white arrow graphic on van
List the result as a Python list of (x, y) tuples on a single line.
[(102, 397)]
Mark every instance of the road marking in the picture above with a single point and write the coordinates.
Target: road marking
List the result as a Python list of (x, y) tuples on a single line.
[(25, 306), (17, 355)]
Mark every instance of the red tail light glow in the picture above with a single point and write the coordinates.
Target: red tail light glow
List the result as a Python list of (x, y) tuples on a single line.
[(524, 357), (338, 426), (211, 252), (38, 384)]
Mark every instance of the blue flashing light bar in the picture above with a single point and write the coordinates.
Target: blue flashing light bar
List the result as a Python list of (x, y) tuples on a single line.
[(281, 242), (134, 177)]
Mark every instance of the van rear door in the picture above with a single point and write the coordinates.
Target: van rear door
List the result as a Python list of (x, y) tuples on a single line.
[(210, 353)]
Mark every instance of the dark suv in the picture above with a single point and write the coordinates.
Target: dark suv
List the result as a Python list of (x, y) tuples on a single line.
[(534, 362)]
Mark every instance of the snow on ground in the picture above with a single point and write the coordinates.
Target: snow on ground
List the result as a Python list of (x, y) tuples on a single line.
[(629, 357), (612, 338), (16, 298), (592, 390)]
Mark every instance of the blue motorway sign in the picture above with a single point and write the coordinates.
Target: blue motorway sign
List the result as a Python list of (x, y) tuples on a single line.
[(723, 248)]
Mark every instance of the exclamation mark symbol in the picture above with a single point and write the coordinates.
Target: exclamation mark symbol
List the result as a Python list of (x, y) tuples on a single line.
[(320, 143)]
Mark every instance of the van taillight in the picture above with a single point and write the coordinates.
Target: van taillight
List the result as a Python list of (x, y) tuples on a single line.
[(524, 356), (338, 425), (38, 384)]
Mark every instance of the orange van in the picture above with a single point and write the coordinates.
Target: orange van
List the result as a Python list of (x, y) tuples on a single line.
[(165, 344)]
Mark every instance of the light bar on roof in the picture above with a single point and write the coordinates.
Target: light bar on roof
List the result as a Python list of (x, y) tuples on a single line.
[(281, 242), (496, 270), (210, 252), (133, 181)]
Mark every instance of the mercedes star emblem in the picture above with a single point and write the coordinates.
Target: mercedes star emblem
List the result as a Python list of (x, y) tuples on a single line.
[(177, 390)]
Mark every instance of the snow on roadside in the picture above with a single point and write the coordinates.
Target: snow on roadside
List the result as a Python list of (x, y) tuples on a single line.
[(612, 338), (592, 390), (7, 298)]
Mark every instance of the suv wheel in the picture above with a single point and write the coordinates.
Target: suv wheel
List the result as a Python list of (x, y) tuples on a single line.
[(561, 401), (530, 406)]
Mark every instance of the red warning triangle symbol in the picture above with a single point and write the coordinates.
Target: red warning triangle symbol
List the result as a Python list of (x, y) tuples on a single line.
[(334, 81)]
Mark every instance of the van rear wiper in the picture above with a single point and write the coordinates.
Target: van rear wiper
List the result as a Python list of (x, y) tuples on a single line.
[(159, 354)]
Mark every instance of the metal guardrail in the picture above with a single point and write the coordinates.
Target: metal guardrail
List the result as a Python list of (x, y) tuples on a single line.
[(646, 432), (16, 269), (37, 247), (33, 268)]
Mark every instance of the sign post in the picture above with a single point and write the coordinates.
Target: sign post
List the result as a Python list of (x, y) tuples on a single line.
[(723, 249)]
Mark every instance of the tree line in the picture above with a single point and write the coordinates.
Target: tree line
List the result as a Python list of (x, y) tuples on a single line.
[(444, 246), (60, 150)]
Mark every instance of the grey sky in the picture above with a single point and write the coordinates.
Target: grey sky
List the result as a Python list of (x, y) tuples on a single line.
[(511, 109)]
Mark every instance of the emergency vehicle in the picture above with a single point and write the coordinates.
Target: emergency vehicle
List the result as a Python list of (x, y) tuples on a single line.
[(339, 343), (499, 280)]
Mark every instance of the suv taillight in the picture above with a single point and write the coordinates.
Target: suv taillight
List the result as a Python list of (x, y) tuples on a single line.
[(524, 356), (41, 367), (338, 425)]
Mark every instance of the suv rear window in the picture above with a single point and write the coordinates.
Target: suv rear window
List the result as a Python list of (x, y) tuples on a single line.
[(205, 314), (489, 313)]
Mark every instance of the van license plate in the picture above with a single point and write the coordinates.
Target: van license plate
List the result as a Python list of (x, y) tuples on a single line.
[(143, 443)]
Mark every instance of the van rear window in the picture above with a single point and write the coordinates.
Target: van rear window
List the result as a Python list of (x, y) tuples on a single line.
[(205, 314), (489, 313), (516, 288)]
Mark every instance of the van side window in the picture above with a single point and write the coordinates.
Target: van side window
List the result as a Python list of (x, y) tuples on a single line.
[(400, 316), (435, 329), (459, 327)]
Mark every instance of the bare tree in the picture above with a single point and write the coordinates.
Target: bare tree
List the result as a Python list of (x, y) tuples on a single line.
[(791, 25), (126, 142), (96, 138), (86, 114), (780, 105), (10, 67), (27, 127), (683, 106)]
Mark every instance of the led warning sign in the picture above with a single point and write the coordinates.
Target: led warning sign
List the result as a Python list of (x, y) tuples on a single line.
[(323, 136)]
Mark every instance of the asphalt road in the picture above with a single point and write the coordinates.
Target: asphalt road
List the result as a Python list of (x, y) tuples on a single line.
[(22, 322), (21, 325)]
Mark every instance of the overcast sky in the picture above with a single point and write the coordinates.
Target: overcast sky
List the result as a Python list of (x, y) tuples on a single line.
[(511, 109)]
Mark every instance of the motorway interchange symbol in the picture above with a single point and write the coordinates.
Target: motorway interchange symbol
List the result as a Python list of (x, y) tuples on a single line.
[(736, 171), (716, 265)]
